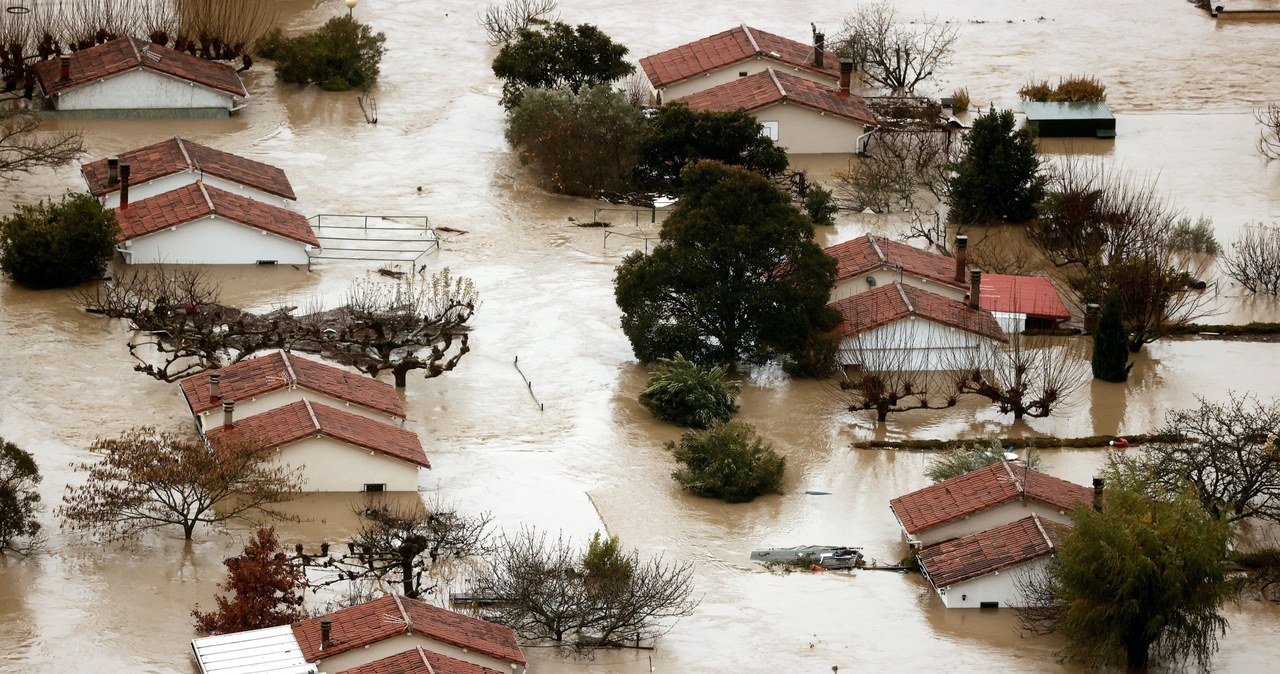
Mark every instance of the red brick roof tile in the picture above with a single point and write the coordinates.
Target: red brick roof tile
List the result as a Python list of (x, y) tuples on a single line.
[(127, 53), (176, 155), (732, 46), (869, 253), (975, 555), (981, 489), (772, 87), (419, 661), (304, 419), (1030, 295), (393, 616), (197, 200), (257, 376), (888, 303)]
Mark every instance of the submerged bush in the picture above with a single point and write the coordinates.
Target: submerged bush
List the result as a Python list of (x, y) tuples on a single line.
[(960, 100), (684, 393), (343, 53), (1073, 89), (727, 461), (1194, 237), (58, 244)]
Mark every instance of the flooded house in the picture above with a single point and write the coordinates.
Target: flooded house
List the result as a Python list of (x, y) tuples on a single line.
[(129, 77), (1023, 302), (869, 261), (984, 570)]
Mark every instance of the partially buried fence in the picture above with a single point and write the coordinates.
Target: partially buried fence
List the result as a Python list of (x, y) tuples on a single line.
[(404, 239)]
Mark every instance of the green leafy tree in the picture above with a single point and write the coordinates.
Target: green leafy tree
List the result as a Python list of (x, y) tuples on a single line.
[(678, 136), (820, 205), (580, 143), (684, 393), (266, 587), (998, 176), (58, 244), (728, 461), (558, 56), (19, 499), (1142, 580), (1110, 344), (735, 278), (968, 458), (342, 54)]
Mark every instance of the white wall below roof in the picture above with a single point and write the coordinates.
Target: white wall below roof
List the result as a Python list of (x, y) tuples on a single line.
[(1000, 587), (915, 344), (333, 465), (141, 88), (730, 73), (1011, 323), (803, 130), (1004, 513), (884, 275), (213, 240), (280, 397), (140, 191)]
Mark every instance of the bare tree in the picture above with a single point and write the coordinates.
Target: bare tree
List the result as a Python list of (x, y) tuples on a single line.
[(891, 371), (24, 148), (1026, 377), (1254, 259), (148, 479), (896, 167), (502, 22), (1269, 139), (891, 53)]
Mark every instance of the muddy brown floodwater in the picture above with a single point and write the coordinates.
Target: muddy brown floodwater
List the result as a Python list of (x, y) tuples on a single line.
[(1182, 87)]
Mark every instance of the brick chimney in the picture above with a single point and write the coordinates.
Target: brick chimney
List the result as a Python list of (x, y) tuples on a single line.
[(846, 74), (64, 68), (819, 48), (124, 185), (113, 172), (1098, 484), (975, 286), (214, 391), (326, 632), (228, 413), (962, 257)]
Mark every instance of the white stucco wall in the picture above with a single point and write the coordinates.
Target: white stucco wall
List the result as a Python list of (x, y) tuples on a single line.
[(857, 284), (803, 130), (389, 647), (332, 465), (915, 344), (140, 191), (732, 72), (988, 519), (1010, 322), (279, 398), (141, 88), (212, 240), (999, 586)]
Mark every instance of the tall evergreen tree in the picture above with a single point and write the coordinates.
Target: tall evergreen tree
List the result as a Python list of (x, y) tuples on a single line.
[(998, 177), (558, 56), (1110, 344)]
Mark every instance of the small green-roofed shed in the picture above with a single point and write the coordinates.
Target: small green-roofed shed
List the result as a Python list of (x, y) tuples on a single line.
[(1057, 120)]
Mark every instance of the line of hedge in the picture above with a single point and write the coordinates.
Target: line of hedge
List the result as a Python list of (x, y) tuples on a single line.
[(1090, 442)]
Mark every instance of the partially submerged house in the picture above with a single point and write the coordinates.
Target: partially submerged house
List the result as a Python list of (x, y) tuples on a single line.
[(985, 498), (869, 261), (271, 650), (337, 450), (201, 224), (177, 162), (1023, 302), (420, 661), (389, 627), (736, 53), (985, 569), (129, 77), (800, 115), (279, 378), (1076, 119), (903, 328)]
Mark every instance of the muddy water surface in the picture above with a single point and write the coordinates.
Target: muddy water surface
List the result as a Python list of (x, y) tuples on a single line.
[(1182, 87)]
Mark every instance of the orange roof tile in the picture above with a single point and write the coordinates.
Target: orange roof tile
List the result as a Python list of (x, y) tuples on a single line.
[(279, 369), (732, 46), (176, 155), (772, 87), (869, 253), (393, 616), (197, 200), (304, 419), (1030, 295), (128, 53), (981, 489), (975, 555), (888, 303), (419, 661)]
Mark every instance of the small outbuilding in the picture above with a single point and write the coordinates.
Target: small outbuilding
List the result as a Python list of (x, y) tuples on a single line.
[(982, 570), (1023, 302), (271, 650), (1074, 120)]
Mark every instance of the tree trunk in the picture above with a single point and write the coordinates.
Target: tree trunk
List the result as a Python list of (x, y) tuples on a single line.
[(882, 413), (187, 528), (406, 572), (401, 375)]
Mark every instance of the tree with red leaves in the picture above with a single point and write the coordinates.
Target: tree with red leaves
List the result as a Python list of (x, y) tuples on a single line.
[(267, 586)]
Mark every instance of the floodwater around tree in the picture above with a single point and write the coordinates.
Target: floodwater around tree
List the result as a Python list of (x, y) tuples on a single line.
[(1182, 87)]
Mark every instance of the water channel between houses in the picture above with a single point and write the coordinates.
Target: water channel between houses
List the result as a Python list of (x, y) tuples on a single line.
[(1182, 87)]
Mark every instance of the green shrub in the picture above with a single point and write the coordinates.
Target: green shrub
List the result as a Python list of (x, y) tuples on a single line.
[(962, 459), (55, 245), (1073, 89), (1194, 237), (343, 53), (820, 205), (960, 100), (727, 461), (817, 359), (684, 393)]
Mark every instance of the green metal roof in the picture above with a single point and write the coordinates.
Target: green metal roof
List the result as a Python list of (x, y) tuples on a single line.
[(1037, 112)]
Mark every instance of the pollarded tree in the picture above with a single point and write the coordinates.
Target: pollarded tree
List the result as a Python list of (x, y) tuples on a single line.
[(736, 278), (24, 148), (266, 589), (58, 244), (558, 56), (684, 393), (19, 499), (894, 54), (1026, 377), (148, 479), (1110, 345), (998, 176), (677, 136)]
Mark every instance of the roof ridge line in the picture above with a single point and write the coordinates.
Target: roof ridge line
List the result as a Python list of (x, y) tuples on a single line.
[(774, 76), (288, 367), (751, 38), (906, 300), (1036, 518), (306, 402), (1013, 475), (876, 247), (183, 147), (408, 622), (207, 199), (422, 653), (134, 47)]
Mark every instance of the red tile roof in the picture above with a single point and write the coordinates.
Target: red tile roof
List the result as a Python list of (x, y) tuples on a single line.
[(869, 253), (257, 376), (176, 155), (981, 489), (128, 53), (888, 303), (393, 616), (419, 661), (305, 419), (975, 555), (772, 87), (1030, 295), (732, 46), (197, 200)]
